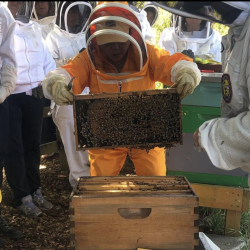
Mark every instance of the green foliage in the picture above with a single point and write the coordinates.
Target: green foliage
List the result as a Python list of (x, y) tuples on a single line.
[(222, 29), (212, 220), (163, 22)]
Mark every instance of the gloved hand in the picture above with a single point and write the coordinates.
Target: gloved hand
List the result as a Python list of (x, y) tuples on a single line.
[(186, 77), (58, 88), (8, 81), (188, 52)]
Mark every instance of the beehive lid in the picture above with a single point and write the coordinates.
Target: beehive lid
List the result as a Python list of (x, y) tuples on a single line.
[(133, 186), (139, 119)]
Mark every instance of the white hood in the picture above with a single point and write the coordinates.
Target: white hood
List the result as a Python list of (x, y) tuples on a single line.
[(72, 16), (229, 13)]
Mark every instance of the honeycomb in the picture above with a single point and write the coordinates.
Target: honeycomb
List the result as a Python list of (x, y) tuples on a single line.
[(130, 119)]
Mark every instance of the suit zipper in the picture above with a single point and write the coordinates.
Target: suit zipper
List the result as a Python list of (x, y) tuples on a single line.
[(119, 85)]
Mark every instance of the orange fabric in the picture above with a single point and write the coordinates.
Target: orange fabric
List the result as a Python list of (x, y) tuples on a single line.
[(109, 162), (157, 68)]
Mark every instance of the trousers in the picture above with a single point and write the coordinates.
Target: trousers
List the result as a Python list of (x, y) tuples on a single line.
[(23, 157)]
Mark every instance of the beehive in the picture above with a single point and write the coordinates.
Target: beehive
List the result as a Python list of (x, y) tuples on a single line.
[(126, 213), (143, 119)]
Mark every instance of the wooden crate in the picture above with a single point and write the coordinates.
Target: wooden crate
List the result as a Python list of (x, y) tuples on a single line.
[(126, 213), (144, 119)]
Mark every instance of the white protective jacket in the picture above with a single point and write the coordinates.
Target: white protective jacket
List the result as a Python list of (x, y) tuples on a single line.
[(63, 45), (34, 60), (147, 30), (227, 140), (7, 53), (210, 46)]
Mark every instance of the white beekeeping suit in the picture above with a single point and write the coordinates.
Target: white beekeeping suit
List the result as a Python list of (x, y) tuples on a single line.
[(28, 38), (227, 139), (205, 43), (47, 23), (147, 31), (153, 16), (8, 65), (64, 42)]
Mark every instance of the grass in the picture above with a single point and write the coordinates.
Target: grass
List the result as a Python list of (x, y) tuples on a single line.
[(212, 220)]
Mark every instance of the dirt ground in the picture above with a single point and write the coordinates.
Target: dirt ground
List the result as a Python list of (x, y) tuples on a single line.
[(50, 231)]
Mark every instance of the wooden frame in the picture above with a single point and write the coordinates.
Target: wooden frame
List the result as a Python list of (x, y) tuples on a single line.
[(234, 200), (91, 97)]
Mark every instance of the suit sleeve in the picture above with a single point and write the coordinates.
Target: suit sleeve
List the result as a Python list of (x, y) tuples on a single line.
[(161, 63), (79, 67)]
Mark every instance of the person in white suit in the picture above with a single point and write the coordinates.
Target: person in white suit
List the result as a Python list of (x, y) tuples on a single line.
[(8, 78), (227, 139), (64, 42), (22, 161), (44, 13), (192, 34), (152, 13), (147, 31)]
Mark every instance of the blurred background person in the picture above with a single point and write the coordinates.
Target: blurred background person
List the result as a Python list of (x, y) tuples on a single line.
[(152, 13), (45, 13), (64, 42), (22, 161), (147, 31), (193, 34), (8, 78)]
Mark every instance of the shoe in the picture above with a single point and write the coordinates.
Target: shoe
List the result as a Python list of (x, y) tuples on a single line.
[(47, 156), (40, 201), (28, 208), (8, 231)]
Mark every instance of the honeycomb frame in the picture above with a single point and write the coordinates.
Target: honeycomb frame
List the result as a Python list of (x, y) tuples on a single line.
[(136, 119)]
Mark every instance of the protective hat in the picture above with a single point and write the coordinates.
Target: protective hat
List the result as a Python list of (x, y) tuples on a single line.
[(25, 11), (115, 22), (153, 8), (112, 25), (72, 16), (229, 13), (52, 11)]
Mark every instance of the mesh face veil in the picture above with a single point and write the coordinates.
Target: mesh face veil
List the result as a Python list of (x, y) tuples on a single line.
[(230, 13), (73, 16), (51, 15), (23, 13), (152, 8), (114, 34)]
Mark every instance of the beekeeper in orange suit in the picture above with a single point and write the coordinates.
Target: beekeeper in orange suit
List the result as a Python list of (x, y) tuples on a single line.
[(117, 59)]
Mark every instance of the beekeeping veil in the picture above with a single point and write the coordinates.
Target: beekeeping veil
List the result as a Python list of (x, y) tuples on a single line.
[(115, 22), (50, 18), (73, 16), (230, 13), (154, 9), (25, 12)]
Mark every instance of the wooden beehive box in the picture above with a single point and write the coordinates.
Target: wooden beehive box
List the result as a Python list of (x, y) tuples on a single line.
[(126, 213), (139, 119)]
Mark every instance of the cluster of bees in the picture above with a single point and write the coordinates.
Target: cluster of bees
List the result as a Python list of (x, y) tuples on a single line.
[(133, 121)]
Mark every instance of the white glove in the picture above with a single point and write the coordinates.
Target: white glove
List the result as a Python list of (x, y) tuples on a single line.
[(186, 77), (57, 87), (8, 81)]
